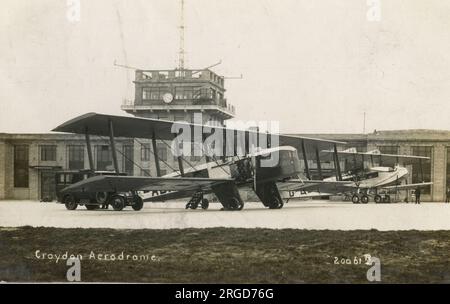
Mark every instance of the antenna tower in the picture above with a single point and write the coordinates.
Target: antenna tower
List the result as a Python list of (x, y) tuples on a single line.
[(181, 50)]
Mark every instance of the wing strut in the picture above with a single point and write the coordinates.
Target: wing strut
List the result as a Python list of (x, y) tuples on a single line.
[(337, 164), (305, 160), (319, 166), (112, 144), (89, 151), (155, 155), (421, 170), (180, 159), (224, 147)]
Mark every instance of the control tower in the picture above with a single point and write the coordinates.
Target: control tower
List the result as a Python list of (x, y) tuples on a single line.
[(178, 94)]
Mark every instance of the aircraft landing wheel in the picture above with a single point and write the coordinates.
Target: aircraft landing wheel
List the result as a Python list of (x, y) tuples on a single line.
[(276, 204), (235, 204), (70, 202), (138, 203), (378, 199), (355, 199), (364, 199), (205, 204), (117, 202), (387, 199)]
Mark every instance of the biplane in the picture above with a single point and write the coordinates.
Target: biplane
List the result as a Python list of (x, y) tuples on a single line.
[(258, 162), (382, 175)]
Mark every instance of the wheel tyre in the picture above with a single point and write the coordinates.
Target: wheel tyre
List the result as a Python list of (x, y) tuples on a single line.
[(276, 204), (239, 205), (118, 202), (70, 202), (280, 205), (387, 199), (138, 203), (378, 199), (194, 206), (364, 199), (205, 204), (235, 204), (355, 199), (92, 207), (101, 197)]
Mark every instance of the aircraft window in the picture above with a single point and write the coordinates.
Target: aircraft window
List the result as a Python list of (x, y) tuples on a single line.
[(285, 158)]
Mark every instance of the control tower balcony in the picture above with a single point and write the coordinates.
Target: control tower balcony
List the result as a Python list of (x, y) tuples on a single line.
[(222, 108)]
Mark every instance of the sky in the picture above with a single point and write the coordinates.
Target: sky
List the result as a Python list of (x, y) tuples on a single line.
[(314, 66)]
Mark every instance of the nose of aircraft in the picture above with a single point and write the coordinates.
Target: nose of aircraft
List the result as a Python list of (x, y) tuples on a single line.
[(402, 171)]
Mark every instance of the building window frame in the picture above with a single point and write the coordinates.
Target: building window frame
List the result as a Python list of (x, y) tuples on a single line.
[(75, 157), (128, 159), (21, 166), (145, 152), (162, 151), (103, 157), (47, 152)]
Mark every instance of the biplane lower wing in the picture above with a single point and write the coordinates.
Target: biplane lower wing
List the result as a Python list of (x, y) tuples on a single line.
[(297, 185), (105, 183), (341, 186), (168, 196), (408, 186)]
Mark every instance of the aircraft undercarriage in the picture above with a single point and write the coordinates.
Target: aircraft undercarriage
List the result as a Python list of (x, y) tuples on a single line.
[(198, 200), (269, 195), (365, 196), (228, 195)]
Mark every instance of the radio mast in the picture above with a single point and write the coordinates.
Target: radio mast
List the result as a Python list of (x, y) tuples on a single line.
[(181, 52)]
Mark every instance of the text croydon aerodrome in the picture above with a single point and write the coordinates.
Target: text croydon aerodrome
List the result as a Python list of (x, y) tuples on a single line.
[(92, 255)]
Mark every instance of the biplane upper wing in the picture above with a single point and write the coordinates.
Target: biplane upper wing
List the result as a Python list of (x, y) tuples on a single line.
[(375, 154), (133, 127), (110, 183)]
